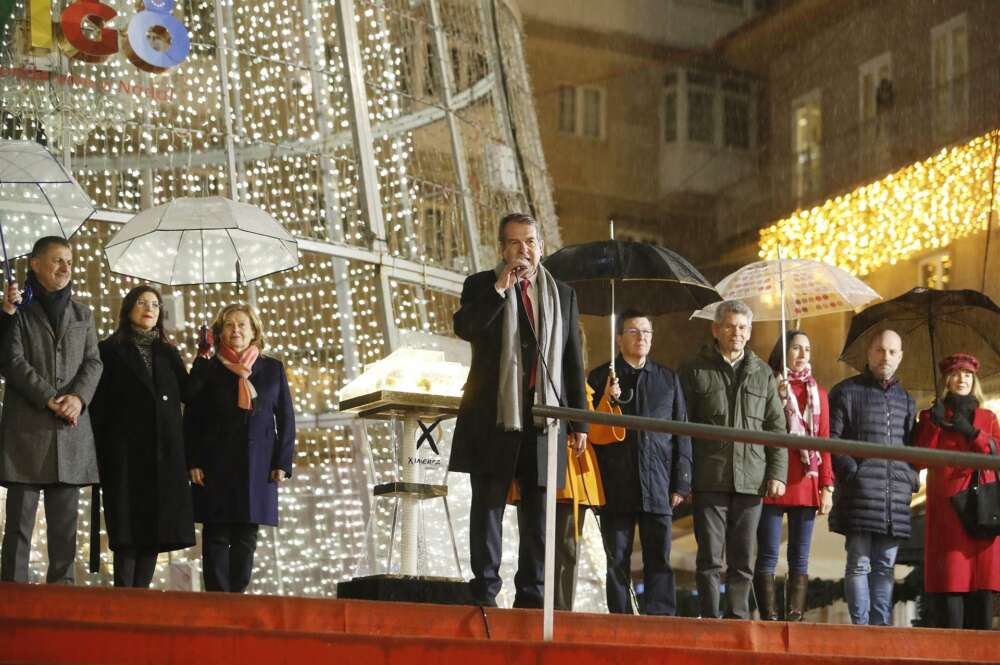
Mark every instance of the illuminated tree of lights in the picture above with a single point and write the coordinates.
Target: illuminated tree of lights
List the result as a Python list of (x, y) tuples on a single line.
[(135, 140)]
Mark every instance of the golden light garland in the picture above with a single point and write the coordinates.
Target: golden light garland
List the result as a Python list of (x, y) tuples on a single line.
[(923, 206)]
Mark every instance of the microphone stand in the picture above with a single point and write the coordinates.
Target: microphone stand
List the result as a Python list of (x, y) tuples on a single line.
[(551, 488)]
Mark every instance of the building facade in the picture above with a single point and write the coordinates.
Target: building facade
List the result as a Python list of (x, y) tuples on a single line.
[(641, 122), (878, 147)]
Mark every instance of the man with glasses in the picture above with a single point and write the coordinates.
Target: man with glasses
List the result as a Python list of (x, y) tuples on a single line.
[(647, 474), (727, 385)]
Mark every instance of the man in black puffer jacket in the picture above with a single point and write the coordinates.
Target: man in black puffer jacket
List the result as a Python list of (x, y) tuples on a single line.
[(872, 502)]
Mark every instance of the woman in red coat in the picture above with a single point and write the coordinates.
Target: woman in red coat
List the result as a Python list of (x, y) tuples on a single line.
[(809, 487), (963, 571)]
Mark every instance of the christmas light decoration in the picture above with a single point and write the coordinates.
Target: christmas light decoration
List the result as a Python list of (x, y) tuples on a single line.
[(135, 140), (923, 206)]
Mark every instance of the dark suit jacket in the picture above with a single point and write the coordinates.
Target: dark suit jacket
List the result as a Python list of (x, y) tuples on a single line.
[(237, 449), (479, 446)]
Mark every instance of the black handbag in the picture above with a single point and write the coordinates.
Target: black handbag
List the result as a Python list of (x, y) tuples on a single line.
[(978, 506)]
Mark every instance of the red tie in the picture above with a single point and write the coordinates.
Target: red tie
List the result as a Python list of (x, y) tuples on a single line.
[(526, 301)]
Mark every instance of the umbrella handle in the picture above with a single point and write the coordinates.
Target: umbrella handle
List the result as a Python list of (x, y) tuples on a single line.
[(6, 261), (628, 399), (9, 273)]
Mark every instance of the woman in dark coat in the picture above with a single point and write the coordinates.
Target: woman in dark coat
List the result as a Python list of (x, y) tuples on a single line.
[(810, 481), (138, 429), (240, 431), (961, 570)]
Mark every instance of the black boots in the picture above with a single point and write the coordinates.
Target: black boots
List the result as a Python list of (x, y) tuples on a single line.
[(795, 596), (767, 604)]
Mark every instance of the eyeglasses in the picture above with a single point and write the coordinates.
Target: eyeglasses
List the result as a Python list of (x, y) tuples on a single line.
[(148, 304), (636, 332)]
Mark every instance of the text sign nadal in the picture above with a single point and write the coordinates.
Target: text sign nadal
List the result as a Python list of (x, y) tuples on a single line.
[(155, 41)]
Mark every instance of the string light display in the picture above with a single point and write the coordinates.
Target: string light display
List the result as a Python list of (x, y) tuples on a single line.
[(923, 206), (135, 140)]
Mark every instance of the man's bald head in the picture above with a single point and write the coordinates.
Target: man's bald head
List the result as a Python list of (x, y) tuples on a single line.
[(885, 352)]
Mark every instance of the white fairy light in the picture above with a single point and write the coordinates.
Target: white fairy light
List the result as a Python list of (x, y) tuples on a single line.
[(297, 160)]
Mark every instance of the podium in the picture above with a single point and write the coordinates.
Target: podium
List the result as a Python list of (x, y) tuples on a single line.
[(420, 415)]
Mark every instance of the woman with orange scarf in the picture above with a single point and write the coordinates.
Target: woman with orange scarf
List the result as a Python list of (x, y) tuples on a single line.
[(240, 437)]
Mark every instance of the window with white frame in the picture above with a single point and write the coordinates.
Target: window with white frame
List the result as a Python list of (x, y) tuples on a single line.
[(807, 145), (707, 108), (875, 81), (949, 73), (670, 99), (581, 111), (735, 114), (701, 94), (935, 271), (875, 100)]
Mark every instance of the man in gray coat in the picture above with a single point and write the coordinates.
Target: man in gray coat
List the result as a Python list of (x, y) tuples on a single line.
[(727, 385), (52, 366)]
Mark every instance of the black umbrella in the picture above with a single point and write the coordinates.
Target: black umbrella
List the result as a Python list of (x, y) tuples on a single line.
[(614, 275), (932, 324)]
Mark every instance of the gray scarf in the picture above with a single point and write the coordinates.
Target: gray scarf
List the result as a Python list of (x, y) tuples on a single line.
[(510, 397), (144, 342)]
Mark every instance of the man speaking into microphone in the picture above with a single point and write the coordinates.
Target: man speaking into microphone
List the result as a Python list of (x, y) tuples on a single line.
[(522, 325)]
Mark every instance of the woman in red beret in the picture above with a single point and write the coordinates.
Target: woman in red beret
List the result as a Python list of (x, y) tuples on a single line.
[(962, 571)]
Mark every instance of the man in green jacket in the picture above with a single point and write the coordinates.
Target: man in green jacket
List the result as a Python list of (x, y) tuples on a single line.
[(726, 384)]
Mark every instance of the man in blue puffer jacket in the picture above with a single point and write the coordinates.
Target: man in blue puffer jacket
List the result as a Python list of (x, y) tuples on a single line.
[(872, 501)]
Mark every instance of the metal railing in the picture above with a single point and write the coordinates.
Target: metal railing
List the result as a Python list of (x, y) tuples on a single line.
[(923, 457)]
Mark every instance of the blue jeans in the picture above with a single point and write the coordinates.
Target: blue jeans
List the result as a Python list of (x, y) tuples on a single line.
[(868, 578), (800, 529)]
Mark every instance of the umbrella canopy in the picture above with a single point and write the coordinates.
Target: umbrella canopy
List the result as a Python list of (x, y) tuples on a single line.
[(38, 198), (201, 241), (811, 288), (646, 277), (932, 324)]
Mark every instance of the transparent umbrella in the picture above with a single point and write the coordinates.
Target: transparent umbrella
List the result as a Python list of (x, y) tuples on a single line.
[(38, 198), (783, 289), (201, 241)]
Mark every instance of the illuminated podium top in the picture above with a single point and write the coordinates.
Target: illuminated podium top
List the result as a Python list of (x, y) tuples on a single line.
[(386, 404)]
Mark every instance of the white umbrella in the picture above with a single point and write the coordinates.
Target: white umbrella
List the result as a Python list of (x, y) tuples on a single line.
[(782, 289), (38, 198), (202, 241)]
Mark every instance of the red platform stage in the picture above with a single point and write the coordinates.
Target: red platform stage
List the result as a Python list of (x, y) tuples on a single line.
[(76, 626)]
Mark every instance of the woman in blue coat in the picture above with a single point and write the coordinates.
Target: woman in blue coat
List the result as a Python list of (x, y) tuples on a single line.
[(240, 435)]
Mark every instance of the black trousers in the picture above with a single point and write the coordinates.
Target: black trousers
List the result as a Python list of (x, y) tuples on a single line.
[(227, 556), (489, 500), (618, 531), (972, 610), (61, 502), (134, 568)]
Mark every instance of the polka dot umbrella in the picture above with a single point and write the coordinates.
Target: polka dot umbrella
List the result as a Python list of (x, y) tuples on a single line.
[(791, 289)]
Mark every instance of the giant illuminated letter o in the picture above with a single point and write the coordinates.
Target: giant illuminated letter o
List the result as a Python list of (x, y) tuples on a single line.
[(138, 46)]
